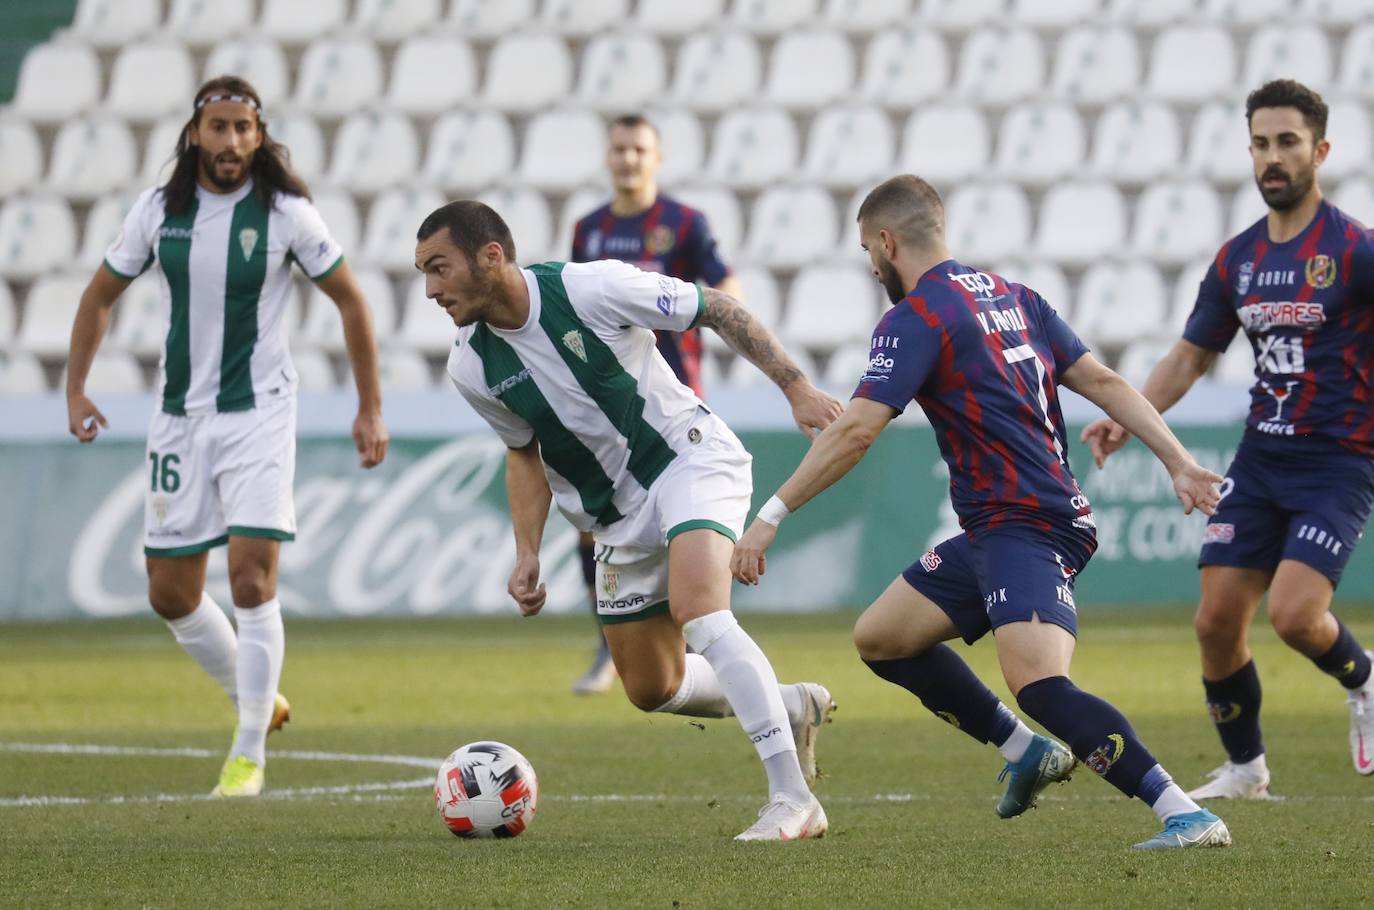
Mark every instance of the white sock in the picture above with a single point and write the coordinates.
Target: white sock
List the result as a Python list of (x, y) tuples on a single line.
[(1255, 767), (1173, 801), (751, 688), (1016, 745), (700, 694), (205, 634), (262, 646)]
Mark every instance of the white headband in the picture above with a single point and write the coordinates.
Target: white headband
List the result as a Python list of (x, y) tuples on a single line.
[(241, 99)]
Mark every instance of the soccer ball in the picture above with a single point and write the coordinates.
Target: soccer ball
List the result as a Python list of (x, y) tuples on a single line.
[(486, 789)]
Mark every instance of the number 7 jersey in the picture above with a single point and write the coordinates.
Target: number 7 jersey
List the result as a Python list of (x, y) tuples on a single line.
[(982, 357)]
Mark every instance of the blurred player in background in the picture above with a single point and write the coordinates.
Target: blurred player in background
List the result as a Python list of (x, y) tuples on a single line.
[(657, 233), (223, 232), (1300, 284), (983, 358), (559, 360)]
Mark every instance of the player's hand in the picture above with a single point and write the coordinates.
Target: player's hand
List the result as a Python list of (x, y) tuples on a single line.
[(84, 418), (812, 409), (371, 438), (524, 587), (1196, 488), (1104, 437), (748, 562)]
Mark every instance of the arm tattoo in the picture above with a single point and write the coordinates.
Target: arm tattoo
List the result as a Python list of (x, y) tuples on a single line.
[(749, 338)]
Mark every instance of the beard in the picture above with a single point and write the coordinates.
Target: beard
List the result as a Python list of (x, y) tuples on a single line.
[(891, 282), (1286, 197), (209, 168)]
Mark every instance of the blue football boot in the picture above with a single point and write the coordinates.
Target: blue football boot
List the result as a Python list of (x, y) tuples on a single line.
[(1191, 829), (1045, 762)]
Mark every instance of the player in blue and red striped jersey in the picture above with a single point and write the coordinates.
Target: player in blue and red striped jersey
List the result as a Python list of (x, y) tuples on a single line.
[(657, 233), (983, 357), (1300, 284)]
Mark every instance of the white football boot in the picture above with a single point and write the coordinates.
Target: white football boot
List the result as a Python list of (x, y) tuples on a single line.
[(1361, 703), (784, 820), (1233, 781), (817, 706)]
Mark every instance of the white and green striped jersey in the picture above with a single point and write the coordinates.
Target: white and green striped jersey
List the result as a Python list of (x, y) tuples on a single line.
[(225, 266), (584, 377)]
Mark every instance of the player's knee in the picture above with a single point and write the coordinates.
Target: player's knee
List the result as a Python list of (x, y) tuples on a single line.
[(250, 586), (1217, 627), (647, 695), (874, 641), (170, 603), (1295, 622)]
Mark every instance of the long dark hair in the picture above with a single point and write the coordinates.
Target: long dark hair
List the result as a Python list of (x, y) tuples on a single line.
[(271, 168)]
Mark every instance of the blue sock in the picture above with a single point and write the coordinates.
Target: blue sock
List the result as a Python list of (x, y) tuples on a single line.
[(1346, 660), (945, 685), (1234, 703), (1099, 735)]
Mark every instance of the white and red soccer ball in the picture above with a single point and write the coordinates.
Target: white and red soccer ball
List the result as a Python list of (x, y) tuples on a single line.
[(486, 789)]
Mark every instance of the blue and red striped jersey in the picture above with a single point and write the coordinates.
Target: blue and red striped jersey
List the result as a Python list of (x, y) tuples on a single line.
[(670, 238), (1307, 308), (982, 357)]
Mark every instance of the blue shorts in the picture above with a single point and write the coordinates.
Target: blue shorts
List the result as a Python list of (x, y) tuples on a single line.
[(1304, 499), (1003, 576)]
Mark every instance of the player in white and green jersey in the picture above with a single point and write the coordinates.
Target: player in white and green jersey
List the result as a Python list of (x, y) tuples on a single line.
[(560, 359), (223, 233)]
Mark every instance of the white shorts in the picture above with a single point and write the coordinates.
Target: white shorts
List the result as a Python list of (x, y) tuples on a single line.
[(219, 475), (709, 485)]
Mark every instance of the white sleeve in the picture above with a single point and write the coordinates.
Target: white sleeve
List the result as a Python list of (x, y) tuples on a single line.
[(650, 300), (514, 431), (311, 243), (132, 251)]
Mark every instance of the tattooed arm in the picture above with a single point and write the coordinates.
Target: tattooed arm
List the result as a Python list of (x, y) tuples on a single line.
[(813, 409)]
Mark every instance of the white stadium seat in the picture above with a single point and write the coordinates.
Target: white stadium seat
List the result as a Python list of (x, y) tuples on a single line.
[(395, 20), (752, 148), (322, 326), (722, 212), (1247, 207), (293, 22), (337, 76), (103, 225), (850, 247), (200, 23), (1152, 14), (114, 23), (1185, 293), (622, 71), (997, 67), (1096, 65), (46, 329), (563, 150), (259, 60), (21, 375), (903, 67), (92, 156), (21, 155), (1218, 147), (1054, 13), (432, 74), (760, 291), (1177, 221), (791, 226), (57, 81), (770, 17), (514, 84), (1192, 63), (945, 143), (315, 372), (1247, 12), (1139, 358), (402, 368), (810, 69), (486, 19), (683, 144), (112, 373), (1335, 12), (140, 318), (830, 306), (37, 234), (1349, 129), (961, 15), (1040, 142), (374, 151), (1357, 62), (987, 221), (7, 317), (864, 16), (847, 366), (303, 139), (1237, 364), (1288, 51), (849, 146), (160, 150), (716, 71), (744, 374), (673, 17), (1121, 302), (1137, 141), (150, 80), (583, 18), (527, 215), (425, 327), (389, 242), (340, 215), (1045, 278), (1081, 221), (1355, 197), (579, 205), (468, 150)]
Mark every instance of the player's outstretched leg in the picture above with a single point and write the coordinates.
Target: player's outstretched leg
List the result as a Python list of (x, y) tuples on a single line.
[(1351, 665), (600, 676), (1234, 704)]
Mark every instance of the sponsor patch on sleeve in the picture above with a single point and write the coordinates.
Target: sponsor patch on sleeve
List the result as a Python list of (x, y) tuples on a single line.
[(1220, 532)]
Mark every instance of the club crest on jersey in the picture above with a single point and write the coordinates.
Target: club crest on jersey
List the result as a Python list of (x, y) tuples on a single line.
[(248, 241), (1244, 273), (572, 340), (659, 241), (1321, 271)]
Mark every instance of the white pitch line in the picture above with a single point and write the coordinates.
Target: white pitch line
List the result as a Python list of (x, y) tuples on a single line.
[(410, 761)]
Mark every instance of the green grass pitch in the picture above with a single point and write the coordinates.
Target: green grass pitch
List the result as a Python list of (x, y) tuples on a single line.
[(636, 810)]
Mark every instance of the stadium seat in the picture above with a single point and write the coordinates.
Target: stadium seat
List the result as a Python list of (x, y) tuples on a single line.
[(998, 66), (864, 16), (390, 21), (302, 137), (1219, 142), (150, 80), (847, 366), (432, 74), (513, 85), (1137, 141), (791, 226), (961, 15), (1138, 358), (1096, 65), (830, 306), (1349, 130), (622, 71), (527, 214), (315, 372), (373, 151), (716, 71), (322, 326), (987, 221), (91, 156), (673, 17), (114, 23), (1335, 12), (1185, 293), (752, 148), (849, 146), (112, 373), (1040, 142), (337, 76), (57, 81), (260, 61), (1355, 197), (487, 19), (1045, 278), (770, 17), (722, 212), (389, 241), (159, 150), (945, 143), (7, 316), (1053, 14), (1247, 12), (904, 67), (1237, 365), (742, 374), (563, 149), (1081, 221), (1357, 63), (1177, 221), (583, 18), (1121, 302), (103, 225), (1247, 207), (425, 327), (403, 369), (1191, 63), (46, 328), (140, 318), (293, 22), (810, 69), (1150, 15), (468, 150), (37, 234), (580, 204), (21, 155), (1288, 51), (200, 23), (21, 375), (340, 215), (760, 291), (683, 142)]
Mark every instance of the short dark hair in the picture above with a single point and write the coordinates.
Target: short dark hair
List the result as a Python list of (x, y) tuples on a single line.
[(907, 206), (471, 226), (634, 122), (1288, 93)]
